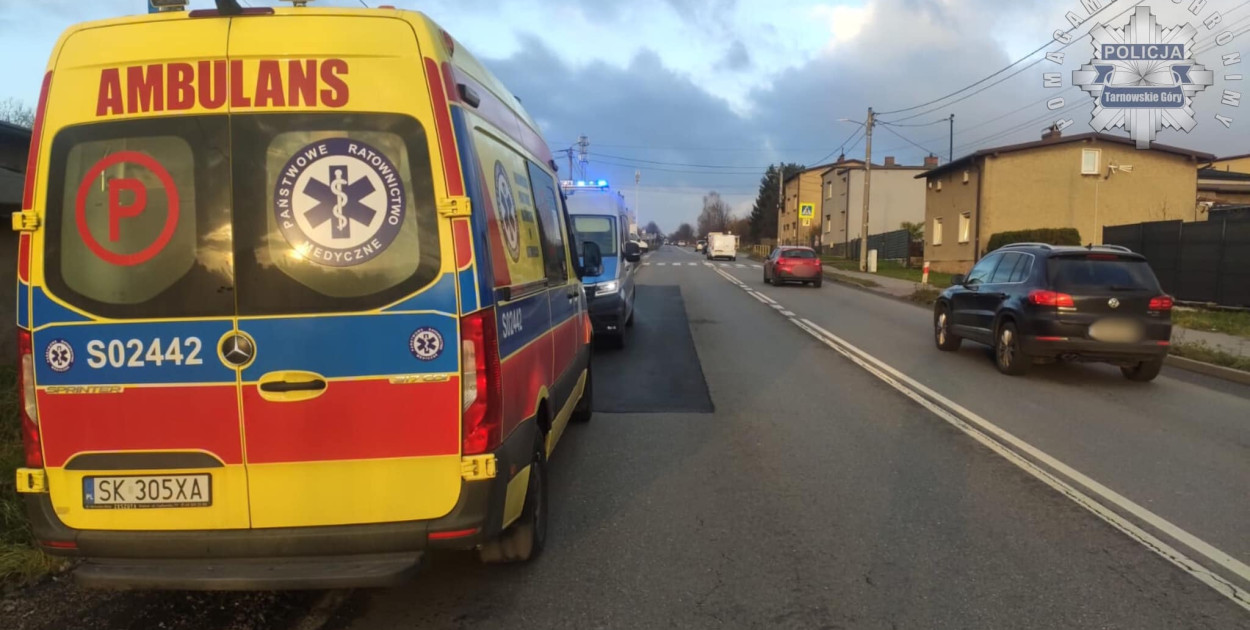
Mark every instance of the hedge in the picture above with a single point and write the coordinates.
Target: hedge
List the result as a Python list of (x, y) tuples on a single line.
[(1050, 236)]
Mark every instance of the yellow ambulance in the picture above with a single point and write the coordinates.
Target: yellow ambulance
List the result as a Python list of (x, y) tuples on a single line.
[(297, 302)]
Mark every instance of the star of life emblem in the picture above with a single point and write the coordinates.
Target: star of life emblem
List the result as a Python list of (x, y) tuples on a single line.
[(1143, 77), (339, 202), (507, 212)]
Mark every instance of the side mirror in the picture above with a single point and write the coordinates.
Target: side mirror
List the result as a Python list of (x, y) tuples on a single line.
[(592, 259), (633, 253), (957, 279)]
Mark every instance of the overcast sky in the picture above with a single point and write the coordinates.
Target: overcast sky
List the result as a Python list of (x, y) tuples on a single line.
[(673, 87)]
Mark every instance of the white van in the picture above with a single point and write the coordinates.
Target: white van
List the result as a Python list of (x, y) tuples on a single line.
[(721, 245)]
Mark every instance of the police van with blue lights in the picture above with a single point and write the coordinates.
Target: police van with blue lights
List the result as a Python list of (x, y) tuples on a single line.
[(599, 216)]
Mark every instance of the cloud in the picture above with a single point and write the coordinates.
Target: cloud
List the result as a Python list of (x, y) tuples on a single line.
[(737, 58)]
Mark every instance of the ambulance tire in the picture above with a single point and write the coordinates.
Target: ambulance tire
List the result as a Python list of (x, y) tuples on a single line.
[(585, 407), (525, 538)]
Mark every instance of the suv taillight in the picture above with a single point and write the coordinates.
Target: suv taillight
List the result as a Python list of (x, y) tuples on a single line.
[(481, 389), (26, 391), (1161, 303), (1051, 298)]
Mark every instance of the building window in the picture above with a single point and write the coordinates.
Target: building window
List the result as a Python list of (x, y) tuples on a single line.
[(937, 231), (1089, 161), (965, 227), (829, 190)]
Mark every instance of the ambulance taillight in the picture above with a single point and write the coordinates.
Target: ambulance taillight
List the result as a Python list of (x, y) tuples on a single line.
[(26, 389), (481, 388)]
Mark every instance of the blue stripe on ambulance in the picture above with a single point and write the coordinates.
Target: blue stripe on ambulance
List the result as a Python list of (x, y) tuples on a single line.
[(561, 307), (332, 346), (23, 305), (477, 223), (127, 353), (521, 322), (468, 290), (49, 312), (440, 297)]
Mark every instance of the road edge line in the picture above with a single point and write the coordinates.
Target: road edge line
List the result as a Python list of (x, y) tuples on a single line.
[(948, 408)]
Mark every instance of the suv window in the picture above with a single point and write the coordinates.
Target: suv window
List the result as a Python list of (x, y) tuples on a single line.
[(1002, 273), (332, 212), (1105, 272), (1023, 268), (982, 270), (138, 218)]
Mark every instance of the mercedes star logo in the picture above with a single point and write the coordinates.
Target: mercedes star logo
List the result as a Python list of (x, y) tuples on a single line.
[(237, 349), (1113, 303)]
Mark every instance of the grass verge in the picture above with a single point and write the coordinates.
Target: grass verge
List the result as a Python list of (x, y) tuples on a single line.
[(891, 269), (20, 561), (1227, 322), (1200, 351), (845, 279), (924, 295)]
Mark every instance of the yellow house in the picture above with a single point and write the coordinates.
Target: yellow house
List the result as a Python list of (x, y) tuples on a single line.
[(1084, 181), (800, 190), (1235, 163)]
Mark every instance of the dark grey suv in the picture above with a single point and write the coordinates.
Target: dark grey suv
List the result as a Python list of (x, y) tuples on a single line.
[(1036, 302)]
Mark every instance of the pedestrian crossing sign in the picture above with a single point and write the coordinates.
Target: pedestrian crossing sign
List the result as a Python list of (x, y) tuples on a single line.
[(807, 212)]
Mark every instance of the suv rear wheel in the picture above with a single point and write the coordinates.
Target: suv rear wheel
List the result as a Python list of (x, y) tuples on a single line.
[(1143, 372), (942, 335), (1008, 355)]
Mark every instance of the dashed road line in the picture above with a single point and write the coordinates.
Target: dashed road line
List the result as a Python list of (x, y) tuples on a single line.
[(1006, 445)]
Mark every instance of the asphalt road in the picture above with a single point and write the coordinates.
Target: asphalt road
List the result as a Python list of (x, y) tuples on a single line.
[(815, 495), (740, 473)]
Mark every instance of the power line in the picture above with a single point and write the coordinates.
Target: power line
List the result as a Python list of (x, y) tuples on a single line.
[(940, 120), (909, 141), (751, 171), (631, 159), (1008, 66)]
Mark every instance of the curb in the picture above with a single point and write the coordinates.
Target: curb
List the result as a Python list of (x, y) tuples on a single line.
[(1217, 371)]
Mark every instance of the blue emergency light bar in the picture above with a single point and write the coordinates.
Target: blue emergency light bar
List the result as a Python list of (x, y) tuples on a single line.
[(581, 183)]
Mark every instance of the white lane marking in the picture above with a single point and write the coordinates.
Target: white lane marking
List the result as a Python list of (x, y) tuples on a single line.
[(660, 264), (740, 266), (787, 313), (777, 306), (708, 264), (758, 266), (771, 301), (947, 409), (917, 391), (757, 296), (693, 264)]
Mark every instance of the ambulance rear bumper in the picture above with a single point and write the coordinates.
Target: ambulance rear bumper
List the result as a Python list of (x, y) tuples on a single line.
[(338, 556)]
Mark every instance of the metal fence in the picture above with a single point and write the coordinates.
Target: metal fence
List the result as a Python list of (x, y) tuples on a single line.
[(894, 245), (1196, 262)]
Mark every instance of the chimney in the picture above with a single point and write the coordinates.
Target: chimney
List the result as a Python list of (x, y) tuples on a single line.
[(930, 161), (1052, 133), (889, 160)]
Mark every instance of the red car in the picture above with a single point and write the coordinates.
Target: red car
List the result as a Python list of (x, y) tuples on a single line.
[(793, 264)]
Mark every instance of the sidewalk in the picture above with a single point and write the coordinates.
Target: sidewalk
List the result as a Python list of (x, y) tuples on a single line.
[(1237, 346)]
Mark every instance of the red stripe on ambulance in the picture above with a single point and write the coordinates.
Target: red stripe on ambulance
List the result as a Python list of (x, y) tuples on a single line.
[(187, 418), (404, 421)]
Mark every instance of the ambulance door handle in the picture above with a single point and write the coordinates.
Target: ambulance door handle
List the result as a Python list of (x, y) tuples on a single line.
[(315, 385), (291, 385)]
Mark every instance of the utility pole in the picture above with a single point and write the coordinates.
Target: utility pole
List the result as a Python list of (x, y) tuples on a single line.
[(637, 203), (781, 200), (863, 236), (950, 156), (583, 145), (569, 151)]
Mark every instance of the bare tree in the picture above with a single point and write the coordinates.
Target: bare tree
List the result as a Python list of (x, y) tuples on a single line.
[(16, 112), (715, 216)]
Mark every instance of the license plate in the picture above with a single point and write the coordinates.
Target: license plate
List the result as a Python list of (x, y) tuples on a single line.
[(1115, 331), (147, 491)]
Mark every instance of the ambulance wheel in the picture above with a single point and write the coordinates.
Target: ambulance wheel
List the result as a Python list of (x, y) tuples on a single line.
[(525, 538), (585, 407)]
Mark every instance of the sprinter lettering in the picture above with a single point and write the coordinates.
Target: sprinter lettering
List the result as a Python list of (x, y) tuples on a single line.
[(179, 86)]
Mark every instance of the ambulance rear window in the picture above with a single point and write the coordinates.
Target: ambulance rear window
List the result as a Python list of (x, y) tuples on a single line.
[(333, 212), (138, 218)]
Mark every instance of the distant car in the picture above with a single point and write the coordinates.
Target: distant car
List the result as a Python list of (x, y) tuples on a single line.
[(644, 246), (794, 264), (700, 246), (1032, 301), (681, 243)]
